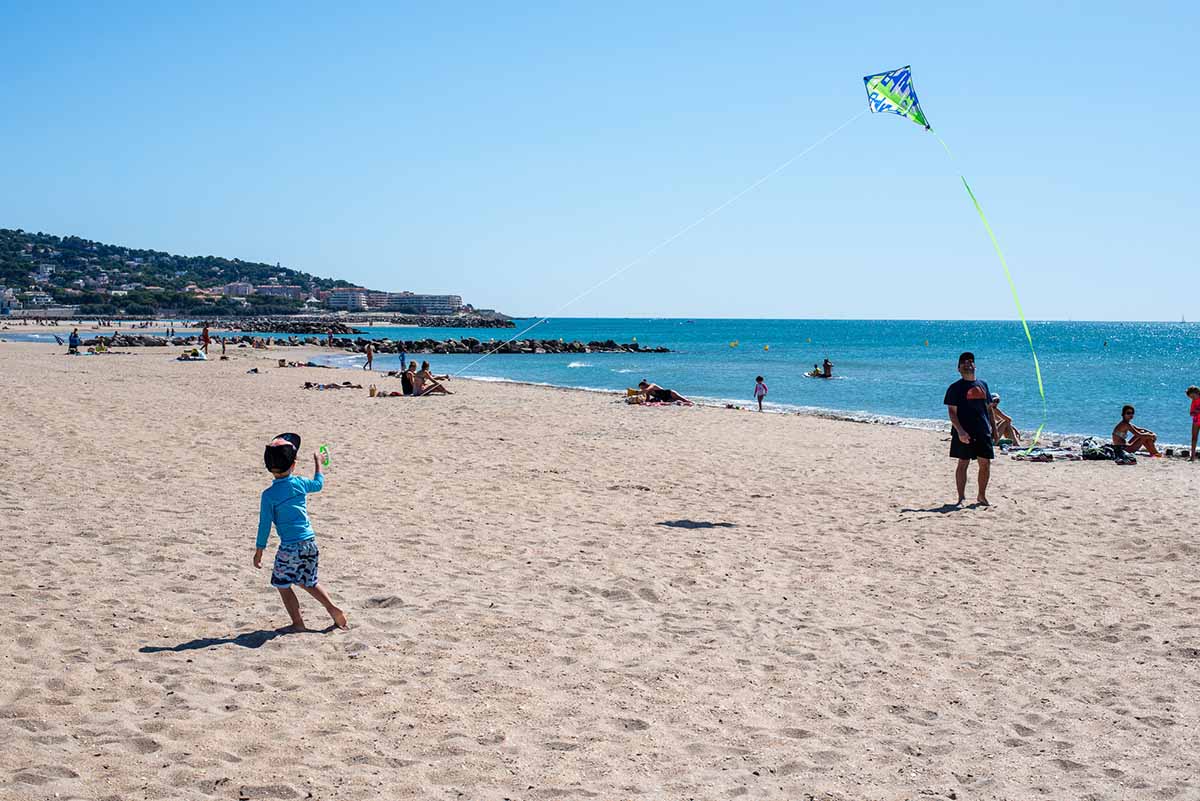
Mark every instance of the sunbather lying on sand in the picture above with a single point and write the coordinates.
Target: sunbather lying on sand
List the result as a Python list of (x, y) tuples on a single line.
[(653, 393)]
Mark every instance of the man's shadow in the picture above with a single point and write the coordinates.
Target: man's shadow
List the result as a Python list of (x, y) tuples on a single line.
[(694, 524), (251, 639), (944, 509)]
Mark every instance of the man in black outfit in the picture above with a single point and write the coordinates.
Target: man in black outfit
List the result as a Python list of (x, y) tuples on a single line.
[(972, 425)]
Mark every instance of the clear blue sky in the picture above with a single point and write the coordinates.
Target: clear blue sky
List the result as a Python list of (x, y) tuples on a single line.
[(518, 153)]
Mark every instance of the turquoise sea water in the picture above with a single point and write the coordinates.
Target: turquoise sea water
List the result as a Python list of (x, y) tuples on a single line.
[(884, 370)]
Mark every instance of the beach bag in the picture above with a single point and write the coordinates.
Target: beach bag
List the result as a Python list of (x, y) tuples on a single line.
[(1094, 450)]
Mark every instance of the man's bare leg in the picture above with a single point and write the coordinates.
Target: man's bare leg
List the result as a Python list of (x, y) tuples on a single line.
[(339, 617), (292, 604), (960, 478), (985, 472)]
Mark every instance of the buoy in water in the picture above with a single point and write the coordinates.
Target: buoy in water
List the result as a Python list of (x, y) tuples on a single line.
[(766, 347), (733, 344)]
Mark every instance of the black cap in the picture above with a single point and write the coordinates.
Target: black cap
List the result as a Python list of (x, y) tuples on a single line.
[(280, 453)]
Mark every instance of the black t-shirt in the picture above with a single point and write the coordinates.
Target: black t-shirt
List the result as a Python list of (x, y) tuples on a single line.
[(972, 400)]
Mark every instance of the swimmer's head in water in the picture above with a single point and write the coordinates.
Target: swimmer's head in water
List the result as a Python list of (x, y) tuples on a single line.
[(280, 453)]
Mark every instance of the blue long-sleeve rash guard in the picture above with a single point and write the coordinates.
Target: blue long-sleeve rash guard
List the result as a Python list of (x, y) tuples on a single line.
[(283, 503)]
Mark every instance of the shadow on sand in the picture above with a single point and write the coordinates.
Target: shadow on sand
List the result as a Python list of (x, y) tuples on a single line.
[(251, 639), (944, 509), (694, 524)]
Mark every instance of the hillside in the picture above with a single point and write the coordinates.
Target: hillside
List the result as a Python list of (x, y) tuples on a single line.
[(75, 271)]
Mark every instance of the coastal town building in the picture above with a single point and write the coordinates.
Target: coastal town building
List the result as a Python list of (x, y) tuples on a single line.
[(280, 291), (410, 303), (348, 299), (378, 300), (237, 289)]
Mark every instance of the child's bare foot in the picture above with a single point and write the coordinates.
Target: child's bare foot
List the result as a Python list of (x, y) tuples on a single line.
[(339, 618)]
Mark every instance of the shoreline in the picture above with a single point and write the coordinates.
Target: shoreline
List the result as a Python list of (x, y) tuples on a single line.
[(329, 359), (1049, 439)]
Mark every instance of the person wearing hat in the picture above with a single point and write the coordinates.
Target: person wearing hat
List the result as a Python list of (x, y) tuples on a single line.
[(972, 425), (284, 504)]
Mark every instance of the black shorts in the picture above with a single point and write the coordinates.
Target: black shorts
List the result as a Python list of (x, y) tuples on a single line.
[(977, 448)]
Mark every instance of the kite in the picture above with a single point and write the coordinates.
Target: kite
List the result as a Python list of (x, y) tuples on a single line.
[(892, 92)]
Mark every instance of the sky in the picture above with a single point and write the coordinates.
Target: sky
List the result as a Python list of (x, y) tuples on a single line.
[(521, 154)]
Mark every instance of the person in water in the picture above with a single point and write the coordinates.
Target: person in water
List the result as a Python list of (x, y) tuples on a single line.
[(760, 391), (1138, 437), (816, 372), (653, 393), (827, 369), (1004, 424)]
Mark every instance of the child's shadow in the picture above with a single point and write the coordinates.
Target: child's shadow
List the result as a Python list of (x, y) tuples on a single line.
[(251, 639)]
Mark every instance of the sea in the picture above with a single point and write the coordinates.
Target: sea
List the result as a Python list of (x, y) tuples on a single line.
[(886, 371)]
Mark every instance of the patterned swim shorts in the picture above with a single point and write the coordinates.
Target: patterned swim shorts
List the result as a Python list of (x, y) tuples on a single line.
[(296, 563)]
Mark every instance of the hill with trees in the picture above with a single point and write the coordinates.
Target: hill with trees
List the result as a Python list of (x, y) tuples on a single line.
[(110, 280)]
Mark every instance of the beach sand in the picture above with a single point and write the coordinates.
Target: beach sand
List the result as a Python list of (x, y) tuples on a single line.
[(554, 595)]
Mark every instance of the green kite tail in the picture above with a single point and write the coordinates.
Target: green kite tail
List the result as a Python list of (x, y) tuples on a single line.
[(1012, 288)]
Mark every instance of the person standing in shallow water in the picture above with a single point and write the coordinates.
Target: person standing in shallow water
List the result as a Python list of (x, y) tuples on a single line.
[(968, 402), (760, 391)]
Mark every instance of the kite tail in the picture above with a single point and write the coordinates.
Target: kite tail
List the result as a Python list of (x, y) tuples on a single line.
[(1012, 288)]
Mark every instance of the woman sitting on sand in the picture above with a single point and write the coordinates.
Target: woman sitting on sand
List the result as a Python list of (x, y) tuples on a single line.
[(656, 394), (1004, 424), (425, 383), (407, 384), (1138, 437)]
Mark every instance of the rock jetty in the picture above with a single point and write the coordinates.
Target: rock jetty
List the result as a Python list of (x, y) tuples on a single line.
[(280, 325), (472, 345), (452, 321), (417, 346)]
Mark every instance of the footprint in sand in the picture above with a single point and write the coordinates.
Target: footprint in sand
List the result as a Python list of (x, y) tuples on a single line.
[(384, 602)]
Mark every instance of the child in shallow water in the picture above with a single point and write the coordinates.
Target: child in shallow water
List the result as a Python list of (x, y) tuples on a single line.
[(284, 504), (760, 391)]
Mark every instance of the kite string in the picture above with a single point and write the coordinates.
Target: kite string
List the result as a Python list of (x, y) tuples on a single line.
[(698, 221), (1012, 286)]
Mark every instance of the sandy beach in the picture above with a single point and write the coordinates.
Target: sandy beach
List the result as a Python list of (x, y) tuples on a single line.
[(554, 595)]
